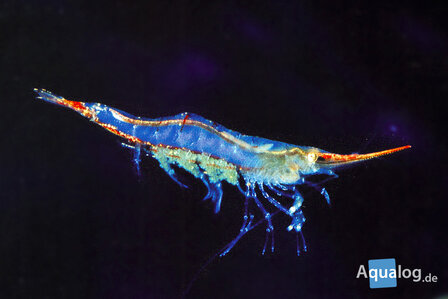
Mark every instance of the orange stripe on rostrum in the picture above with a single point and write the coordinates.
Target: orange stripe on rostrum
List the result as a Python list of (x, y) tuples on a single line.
[(336, 159)]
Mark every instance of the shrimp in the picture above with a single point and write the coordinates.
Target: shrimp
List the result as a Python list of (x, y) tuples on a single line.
[(213, 154)]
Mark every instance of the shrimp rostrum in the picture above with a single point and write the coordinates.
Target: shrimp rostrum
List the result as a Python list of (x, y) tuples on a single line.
[(265, 171)]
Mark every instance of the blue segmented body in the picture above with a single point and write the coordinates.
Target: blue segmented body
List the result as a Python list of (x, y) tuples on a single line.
[(214, 154)]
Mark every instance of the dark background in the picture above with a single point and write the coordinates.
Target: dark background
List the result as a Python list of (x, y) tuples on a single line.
[(76, 221)]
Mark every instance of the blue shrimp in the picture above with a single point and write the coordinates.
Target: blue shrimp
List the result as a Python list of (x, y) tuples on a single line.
[(213, 154)]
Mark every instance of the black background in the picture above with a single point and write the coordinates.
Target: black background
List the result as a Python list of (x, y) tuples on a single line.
[(76, 221)]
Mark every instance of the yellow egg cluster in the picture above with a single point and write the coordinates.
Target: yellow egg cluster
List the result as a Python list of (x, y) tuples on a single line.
[(197, 164)]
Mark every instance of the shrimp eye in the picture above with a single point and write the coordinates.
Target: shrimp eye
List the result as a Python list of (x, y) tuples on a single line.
[(312, 157)]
